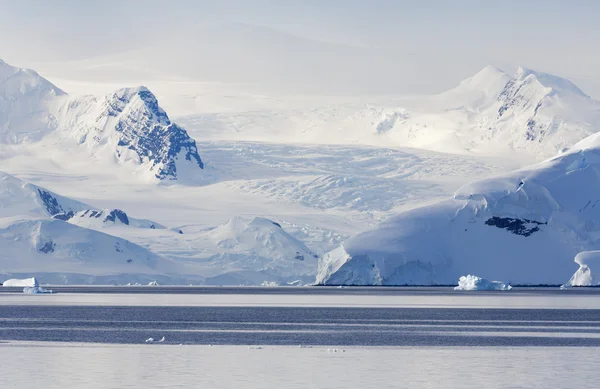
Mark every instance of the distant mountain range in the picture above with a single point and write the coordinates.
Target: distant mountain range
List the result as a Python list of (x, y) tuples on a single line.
[(529, 114)]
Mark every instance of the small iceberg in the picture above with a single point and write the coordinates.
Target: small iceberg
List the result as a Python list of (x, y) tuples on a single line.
[(36, 290), (153, 283), (30, 282), (584, 276), (471, 282)]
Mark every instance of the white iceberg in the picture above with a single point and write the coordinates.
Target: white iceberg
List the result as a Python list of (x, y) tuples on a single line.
[(471, 282), (36, 290), (30, 282), (584, 276)]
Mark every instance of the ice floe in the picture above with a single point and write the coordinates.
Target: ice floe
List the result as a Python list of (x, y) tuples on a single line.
[(471, 282)]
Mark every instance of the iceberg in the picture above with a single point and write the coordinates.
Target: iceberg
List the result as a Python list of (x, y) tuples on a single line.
[(584, 276), (29, 282), (36, 290), (471, 282)]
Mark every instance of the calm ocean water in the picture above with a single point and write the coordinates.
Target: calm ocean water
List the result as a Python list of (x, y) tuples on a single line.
[(304, 337)]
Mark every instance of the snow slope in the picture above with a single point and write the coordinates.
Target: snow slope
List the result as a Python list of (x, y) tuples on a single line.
[(523, 227), (126, 127)]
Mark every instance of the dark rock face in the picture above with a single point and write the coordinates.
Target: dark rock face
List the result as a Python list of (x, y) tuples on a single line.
[(64, 216), (50, 202), (117, 214), (47, 247), (524, 227), (151, 135)]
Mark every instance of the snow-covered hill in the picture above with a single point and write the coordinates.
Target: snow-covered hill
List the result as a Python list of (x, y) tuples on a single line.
[(126, 127), (524, 227), (260, 245), (61, 240), (37, 239)]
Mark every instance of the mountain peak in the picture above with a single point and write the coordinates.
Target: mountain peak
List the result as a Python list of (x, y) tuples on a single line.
[(137, 129), (556, 83)]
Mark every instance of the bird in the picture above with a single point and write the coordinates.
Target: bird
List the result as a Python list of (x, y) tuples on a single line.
[(162, 339), (149, 340)]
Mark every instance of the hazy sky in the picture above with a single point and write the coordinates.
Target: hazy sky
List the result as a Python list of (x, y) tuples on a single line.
[(432, 44)]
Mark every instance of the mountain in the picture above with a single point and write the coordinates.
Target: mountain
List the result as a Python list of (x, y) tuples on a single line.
[(524, 228), (540, 113), (26, 104), (127, 126)]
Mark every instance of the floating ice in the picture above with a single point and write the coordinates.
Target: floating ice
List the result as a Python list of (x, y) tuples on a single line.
[(36, 290), (30, 282), (471, 282)]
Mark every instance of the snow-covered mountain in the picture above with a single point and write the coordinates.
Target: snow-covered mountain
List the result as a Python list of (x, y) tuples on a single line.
[(127, 126), (27, 101), (524, 227), (130, 125), (539, 113), (530, 114)]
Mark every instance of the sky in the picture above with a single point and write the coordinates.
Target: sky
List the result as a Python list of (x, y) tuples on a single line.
[(349, 46)]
